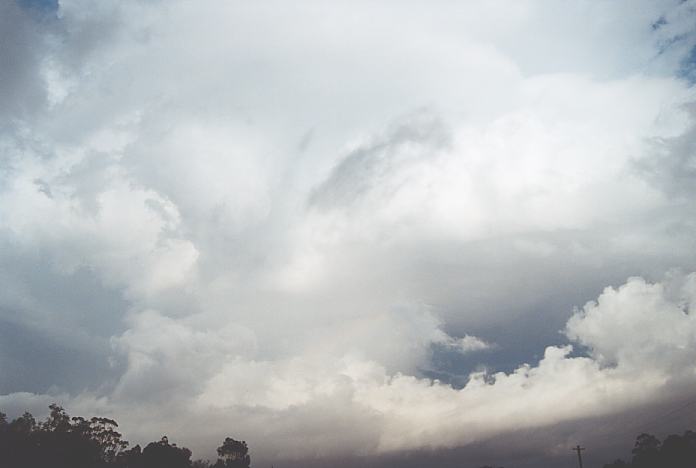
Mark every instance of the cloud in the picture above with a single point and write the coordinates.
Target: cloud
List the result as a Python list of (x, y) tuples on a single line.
[(657, 322), (22, 91), (123, 234), (670, 163), (641, 341), (286, 221), (370, 167), (465, 344)]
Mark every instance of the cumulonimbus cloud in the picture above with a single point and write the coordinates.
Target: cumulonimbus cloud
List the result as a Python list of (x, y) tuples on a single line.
[(640, 342), (290, 236)]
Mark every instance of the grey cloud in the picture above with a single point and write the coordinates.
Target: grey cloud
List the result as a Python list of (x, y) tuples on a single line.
[(605, 439), (35, 361), (306, 293), (56, 328), (306, 140), (43, 187), (670, 164), (368, 167), (22, 43)]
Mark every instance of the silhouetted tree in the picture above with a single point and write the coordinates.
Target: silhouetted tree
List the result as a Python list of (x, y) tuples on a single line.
[(201, 464), (233, 454), (64, 442), (679, 451), (646, 452), (675, 452), (130, 458), (163, 455), (24, 424)]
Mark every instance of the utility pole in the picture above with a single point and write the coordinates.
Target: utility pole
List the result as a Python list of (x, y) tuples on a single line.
[(579, 450)]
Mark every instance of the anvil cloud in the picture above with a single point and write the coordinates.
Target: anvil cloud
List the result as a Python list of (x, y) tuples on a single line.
[(347, 228)]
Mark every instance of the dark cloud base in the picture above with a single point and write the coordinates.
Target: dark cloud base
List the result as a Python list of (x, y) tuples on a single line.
[(605, 440)]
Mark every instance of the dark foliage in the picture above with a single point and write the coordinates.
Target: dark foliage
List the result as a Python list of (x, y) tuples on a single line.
[(676, 451), (64, 442), (233, 454)]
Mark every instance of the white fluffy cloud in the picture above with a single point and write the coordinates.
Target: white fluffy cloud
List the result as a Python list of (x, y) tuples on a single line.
[(127, 234), (641, 339), (310, 210)]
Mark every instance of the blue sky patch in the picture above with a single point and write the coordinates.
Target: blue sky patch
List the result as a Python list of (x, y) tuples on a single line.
[(42, 5)]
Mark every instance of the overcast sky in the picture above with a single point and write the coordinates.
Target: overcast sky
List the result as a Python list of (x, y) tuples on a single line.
[(351, 230)]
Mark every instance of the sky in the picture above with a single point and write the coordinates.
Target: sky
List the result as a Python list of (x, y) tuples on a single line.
[(352, 233)]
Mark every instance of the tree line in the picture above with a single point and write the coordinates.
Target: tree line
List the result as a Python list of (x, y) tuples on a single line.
[(675, 451), (62, 441)]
